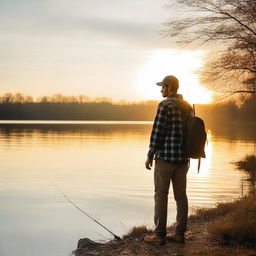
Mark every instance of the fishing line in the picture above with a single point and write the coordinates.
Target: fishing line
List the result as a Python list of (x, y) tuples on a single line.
[(81, 210)]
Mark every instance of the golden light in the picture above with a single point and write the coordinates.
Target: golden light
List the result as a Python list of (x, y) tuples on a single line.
[(183, 65)]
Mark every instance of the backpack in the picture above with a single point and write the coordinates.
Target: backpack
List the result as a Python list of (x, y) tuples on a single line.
[(195, 138), (194, 132)]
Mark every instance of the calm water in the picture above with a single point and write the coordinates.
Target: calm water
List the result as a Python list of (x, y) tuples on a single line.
[(100, 166)]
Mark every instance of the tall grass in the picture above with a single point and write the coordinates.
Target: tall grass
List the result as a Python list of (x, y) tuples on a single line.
[(238, 224), (232, 221), (209, 214)]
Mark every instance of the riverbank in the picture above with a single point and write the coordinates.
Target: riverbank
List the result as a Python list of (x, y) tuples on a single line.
[(205, 236), (198, 243)]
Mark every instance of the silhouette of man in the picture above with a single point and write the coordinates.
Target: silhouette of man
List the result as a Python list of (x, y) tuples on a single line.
[(171, 164)]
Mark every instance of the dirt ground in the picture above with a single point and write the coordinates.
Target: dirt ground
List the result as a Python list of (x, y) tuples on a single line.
[(197, 244)]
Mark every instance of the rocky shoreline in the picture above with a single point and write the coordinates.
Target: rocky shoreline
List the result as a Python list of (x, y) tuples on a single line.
[(198, 243)]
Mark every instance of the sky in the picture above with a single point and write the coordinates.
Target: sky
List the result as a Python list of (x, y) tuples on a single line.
[(97, 48)]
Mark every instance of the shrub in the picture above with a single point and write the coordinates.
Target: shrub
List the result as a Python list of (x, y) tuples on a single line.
[(248, 163)]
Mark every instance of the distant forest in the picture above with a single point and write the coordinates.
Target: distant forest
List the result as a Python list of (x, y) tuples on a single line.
[(59, 107)]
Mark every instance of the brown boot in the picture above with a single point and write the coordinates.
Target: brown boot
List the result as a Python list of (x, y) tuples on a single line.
[(178, 238), (153, 239)]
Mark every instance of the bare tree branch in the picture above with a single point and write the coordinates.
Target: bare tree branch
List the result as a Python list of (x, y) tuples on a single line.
[(229, 25)]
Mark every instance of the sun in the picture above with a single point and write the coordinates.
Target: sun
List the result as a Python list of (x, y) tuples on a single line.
[(181, 64)]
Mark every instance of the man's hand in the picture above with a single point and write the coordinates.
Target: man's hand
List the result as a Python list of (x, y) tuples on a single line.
[(149, 163)]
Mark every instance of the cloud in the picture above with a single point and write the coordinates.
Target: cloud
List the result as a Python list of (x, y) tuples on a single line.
[(132, 22), (49, 45)]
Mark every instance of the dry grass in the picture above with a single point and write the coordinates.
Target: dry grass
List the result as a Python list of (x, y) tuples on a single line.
[(232, 221), (137, 232), (209, 214), (238, 225)]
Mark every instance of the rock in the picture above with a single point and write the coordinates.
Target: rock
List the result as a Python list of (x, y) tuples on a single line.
[(87, 247), (87, 243)]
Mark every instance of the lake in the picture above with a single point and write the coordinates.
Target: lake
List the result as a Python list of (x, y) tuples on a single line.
[(100, 167)]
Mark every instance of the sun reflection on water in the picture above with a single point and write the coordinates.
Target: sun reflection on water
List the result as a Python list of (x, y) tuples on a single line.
[(101, 168)]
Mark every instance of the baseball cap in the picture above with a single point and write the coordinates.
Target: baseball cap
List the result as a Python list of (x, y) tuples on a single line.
[(171, 81)]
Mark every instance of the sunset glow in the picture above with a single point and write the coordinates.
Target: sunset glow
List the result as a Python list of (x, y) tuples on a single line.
[(171, 62), (81, 50)]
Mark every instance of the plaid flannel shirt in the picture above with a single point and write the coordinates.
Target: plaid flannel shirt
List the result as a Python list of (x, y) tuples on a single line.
[(166, 141)]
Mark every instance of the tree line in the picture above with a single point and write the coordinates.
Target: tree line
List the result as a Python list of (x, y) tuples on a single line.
[(71, 108), (59, 107), (21, 98)]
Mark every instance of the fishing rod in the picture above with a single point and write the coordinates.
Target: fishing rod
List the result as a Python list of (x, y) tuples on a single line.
[(81, 210)]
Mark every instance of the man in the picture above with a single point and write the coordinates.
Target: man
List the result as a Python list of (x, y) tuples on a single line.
[(171, 164)]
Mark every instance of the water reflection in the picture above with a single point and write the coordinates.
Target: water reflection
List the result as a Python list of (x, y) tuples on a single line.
[(234, 131), (100, 166)]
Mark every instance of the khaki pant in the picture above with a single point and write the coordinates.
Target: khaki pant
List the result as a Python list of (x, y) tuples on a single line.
[(164, 173)]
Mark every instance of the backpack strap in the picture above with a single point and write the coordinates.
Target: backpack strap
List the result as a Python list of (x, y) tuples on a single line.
[(199, 159), (199, 164)]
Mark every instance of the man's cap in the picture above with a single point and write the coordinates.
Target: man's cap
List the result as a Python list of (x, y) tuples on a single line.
[(171, 81)]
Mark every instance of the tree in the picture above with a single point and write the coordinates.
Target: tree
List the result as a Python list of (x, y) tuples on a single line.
[(44, 99), (28, 99), (7, 98), (58, 98), (83, 99), (228, 29), (19, 98)]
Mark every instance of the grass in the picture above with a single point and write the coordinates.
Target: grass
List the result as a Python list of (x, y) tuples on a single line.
[(209, 214), (137, 232), (232, 221)]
